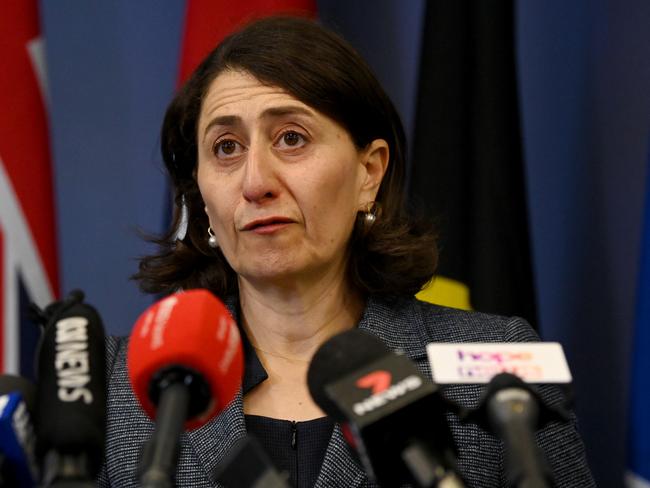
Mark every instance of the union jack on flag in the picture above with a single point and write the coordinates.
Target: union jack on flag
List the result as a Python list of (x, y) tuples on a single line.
[(28, 262)]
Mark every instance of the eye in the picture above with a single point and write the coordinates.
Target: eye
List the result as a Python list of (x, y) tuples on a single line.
[(226, 148), (291, 140)]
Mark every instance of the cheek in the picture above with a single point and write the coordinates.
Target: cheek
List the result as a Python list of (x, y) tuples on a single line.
[(331, 202), (215, 198), (219, 211)]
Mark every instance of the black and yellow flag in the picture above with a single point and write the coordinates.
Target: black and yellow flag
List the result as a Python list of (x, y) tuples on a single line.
[(467, 159)]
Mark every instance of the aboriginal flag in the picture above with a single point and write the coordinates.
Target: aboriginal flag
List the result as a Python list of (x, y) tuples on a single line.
[(28, 251), (467, 167)]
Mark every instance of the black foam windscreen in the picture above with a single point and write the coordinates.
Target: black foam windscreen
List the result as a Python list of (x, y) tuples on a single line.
[(71, 391), (339, 356)]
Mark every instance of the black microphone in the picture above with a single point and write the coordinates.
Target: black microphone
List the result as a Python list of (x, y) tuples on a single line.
[(513, 411), (391, 414), (509, 408), (18, 466), (71, 394)]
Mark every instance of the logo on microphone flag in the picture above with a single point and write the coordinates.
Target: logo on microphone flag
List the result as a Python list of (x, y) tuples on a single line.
[(638, 475), (377, 381), (28, 264)]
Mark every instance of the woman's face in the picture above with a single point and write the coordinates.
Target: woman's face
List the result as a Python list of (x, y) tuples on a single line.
[(282, 183)]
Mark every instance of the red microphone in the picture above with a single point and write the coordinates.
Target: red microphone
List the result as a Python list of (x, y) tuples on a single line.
[(185, 364)]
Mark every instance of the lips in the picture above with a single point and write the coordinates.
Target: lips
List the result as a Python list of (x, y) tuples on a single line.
[(266, 222)]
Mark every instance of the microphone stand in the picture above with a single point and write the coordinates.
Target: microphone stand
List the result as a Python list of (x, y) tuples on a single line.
[(513, 411), (179, 393), (161, 452), (66, 471), (426, 469)]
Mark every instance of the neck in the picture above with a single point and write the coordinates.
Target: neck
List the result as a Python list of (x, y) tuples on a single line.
[(292, 321)]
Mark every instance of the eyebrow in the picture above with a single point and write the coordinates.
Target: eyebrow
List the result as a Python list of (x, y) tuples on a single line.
[(272, 112)]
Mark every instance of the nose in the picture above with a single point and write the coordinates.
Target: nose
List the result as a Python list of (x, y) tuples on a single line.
[(260, 179)]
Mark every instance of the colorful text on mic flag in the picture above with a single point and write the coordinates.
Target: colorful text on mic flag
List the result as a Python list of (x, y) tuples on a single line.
[(478, 363)]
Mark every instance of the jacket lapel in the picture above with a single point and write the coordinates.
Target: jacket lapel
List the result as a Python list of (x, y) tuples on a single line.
[(212, 442), (387, 322), (340, 467)]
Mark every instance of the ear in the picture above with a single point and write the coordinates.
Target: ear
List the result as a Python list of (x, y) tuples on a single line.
[(374, 159)]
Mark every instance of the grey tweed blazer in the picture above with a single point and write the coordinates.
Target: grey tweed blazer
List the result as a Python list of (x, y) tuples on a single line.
[(406, 325)]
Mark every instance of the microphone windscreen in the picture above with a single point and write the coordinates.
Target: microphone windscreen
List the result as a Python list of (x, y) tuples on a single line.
[(191, 330), (71, 389), (339, 356)]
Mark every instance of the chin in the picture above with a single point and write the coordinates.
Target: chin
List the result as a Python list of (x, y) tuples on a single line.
[(280, 267), (271, 269)]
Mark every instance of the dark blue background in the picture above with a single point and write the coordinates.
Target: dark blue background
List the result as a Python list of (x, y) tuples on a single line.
[(584, 69)]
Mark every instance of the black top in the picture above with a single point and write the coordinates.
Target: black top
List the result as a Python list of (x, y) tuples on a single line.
[(297, 449)]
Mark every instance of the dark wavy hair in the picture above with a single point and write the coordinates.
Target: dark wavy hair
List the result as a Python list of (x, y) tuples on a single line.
[(396, 256)]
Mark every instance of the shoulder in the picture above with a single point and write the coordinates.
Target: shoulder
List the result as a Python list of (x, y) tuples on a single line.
[(409, 316), (116, 347)]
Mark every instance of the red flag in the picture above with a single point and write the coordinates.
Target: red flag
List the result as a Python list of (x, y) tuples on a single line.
[(28, 256), (207, 22)]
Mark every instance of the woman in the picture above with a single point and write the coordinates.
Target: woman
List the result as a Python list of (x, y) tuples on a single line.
[(287, 160)]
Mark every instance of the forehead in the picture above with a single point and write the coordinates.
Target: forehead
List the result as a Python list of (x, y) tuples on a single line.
[(239, 91)]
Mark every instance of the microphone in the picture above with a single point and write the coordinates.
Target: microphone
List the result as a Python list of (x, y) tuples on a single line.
[(509, 408), (391, 414), (71, 393), (185, 364), (18, 466)]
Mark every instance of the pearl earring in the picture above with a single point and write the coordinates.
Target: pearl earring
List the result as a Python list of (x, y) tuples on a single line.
[(212, 240), (370, 215)]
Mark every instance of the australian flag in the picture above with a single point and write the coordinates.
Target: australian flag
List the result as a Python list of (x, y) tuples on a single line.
[(28, 251)]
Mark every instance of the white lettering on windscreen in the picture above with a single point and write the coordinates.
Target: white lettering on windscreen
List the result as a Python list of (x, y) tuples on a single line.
[(71, 361)]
